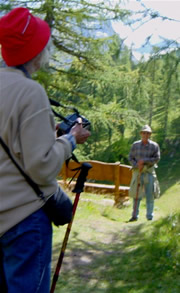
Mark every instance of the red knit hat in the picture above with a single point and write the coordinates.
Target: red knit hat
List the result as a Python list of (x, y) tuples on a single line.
[(22, 36)]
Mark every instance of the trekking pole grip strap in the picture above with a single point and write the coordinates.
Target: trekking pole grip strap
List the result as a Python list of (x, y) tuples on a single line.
[(82, 178)]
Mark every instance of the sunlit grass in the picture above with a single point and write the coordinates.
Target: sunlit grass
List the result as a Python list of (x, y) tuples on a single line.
[(107, 254)]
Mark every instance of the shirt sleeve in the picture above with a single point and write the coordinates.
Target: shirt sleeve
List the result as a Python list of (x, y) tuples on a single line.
[(131, 158), (72, 140)]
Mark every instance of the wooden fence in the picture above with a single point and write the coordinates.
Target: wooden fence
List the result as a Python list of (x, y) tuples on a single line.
[(112, 178)]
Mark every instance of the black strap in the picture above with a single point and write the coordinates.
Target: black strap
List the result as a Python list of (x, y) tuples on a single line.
[(28, 179), (23, 69), (73, 157), (78, 169)]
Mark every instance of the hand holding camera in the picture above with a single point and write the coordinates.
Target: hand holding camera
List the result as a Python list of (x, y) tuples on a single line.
[(74, 124), (80, 133)]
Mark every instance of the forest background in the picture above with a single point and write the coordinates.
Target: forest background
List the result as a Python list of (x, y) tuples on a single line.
[(99, 76)]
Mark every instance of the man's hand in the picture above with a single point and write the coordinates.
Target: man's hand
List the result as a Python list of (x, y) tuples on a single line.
[(140, 165), (81, 134)]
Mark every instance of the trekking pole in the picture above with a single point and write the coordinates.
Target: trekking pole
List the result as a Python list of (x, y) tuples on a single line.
[(137, 193), (78, 189)]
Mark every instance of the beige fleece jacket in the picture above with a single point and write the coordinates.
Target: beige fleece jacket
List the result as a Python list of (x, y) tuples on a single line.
[(27, 127)]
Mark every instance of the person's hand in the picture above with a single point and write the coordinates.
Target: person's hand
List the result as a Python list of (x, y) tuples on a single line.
[(140, 165), (81, 134)]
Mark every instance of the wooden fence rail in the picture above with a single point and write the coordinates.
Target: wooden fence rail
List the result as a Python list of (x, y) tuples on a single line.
[(112, 178)]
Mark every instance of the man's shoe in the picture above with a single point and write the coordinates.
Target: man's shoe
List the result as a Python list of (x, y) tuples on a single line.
[(133, 219), (150, 219)]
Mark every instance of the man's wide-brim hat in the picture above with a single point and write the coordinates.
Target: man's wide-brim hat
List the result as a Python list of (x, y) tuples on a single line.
[(146, 128), (22, 36)]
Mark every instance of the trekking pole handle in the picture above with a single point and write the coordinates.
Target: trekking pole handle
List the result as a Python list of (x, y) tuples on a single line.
[(82, 178)]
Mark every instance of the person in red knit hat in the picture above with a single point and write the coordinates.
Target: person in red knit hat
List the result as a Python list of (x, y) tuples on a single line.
[(27, 128)]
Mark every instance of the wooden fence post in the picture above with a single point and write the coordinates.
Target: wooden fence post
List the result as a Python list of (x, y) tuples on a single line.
[(116, 182)]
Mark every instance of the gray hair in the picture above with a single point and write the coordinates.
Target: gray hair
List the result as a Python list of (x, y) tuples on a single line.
[(43, 58)]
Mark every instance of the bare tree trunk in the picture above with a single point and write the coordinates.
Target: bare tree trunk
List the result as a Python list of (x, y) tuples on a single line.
[(151, 102)]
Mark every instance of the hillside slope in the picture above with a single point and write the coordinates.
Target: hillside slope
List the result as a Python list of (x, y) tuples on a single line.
[(106, 254)]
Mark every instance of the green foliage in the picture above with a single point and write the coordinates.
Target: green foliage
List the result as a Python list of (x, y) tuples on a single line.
[(116, 152), (175, 127), (92, 70)]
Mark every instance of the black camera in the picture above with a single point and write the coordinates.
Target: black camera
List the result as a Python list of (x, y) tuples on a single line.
[(69, 121), (65, 126)]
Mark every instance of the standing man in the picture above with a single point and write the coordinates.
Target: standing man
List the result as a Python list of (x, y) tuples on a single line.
[(143, 157), (27, 128)]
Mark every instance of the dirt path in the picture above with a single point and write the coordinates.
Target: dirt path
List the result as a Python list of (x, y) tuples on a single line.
[(84, 247)]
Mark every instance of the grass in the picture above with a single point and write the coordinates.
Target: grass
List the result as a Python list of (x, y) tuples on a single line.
[(107, 254)]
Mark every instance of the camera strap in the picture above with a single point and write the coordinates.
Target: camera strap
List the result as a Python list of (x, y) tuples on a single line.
[(78, 169), (34, 186)]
